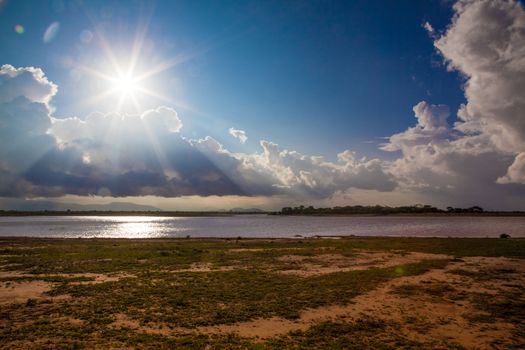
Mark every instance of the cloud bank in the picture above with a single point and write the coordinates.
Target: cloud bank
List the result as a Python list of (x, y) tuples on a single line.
[(471, 160), (478, 159)]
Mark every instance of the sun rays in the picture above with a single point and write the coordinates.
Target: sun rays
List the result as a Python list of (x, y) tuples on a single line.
[(127, 77), (123, 85)]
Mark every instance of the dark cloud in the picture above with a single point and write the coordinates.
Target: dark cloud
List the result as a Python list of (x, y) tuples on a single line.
[(63, 171)]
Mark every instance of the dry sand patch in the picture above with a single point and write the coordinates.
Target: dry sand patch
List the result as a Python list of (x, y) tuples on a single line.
[(20, 292), (13, 274), (97, 277), (14, 290)]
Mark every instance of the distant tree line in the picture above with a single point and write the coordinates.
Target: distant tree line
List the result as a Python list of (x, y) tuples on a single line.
[(375, 209), (474, 209)]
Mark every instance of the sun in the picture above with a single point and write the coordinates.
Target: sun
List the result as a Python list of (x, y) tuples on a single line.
[(125, 84), (127, 87)]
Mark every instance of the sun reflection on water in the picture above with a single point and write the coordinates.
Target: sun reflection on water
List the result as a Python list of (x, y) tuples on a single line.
[(139, 227)]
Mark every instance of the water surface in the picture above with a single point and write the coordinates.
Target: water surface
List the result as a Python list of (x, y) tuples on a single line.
[(258, 226)]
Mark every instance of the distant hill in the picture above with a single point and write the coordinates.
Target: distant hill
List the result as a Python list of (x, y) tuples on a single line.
[(39, 205)]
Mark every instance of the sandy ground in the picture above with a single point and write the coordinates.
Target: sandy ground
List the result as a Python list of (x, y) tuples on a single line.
[(443, 317)]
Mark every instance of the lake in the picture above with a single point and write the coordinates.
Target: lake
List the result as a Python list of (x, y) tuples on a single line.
[(258, 226)]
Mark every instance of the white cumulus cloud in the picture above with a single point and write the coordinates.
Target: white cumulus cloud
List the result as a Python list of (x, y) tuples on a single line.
[(28, 82), (428, 27), (238, 134), (486, 43), (431, 126)]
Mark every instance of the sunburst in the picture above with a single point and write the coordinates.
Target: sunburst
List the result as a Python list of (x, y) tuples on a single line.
[(128, 83)]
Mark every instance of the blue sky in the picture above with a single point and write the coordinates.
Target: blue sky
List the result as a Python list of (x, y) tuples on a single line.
[(316, 78)]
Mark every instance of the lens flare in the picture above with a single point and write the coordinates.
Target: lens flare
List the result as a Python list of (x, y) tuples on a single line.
[(19, 29), (51, 32), (86, 36)]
